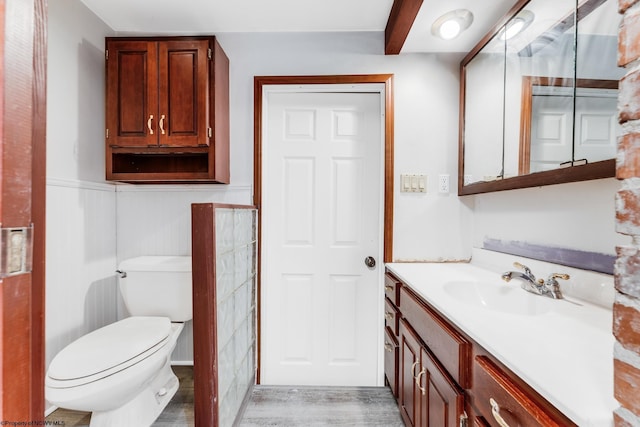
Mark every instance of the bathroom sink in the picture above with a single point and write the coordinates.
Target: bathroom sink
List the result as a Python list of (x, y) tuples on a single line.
[(498, 297)]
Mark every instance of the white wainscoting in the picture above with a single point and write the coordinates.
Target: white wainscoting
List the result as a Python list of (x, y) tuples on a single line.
[(81, 259)]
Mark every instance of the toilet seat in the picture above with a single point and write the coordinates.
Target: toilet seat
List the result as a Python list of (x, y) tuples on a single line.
[(108, 350)]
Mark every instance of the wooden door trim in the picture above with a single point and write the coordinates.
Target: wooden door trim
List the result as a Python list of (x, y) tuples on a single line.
[(23, 186), (259, 83), (38, 209)]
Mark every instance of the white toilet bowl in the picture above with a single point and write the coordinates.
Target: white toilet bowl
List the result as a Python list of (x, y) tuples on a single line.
[(121, 373)]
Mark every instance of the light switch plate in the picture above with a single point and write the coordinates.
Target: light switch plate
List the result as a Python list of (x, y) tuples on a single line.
[(413, 183)]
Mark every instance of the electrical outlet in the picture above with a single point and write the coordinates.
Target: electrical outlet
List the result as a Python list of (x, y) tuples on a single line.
[(443, 183)]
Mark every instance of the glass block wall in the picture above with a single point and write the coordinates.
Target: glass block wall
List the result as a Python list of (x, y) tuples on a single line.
[(236, 252)]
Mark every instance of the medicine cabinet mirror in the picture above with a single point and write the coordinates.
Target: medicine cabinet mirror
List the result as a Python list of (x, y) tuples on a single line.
[(539, 97)]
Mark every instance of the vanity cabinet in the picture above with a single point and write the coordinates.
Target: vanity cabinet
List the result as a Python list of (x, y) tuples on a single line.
[(447, 379), (428, 396), (167, 110), (391, 332), (498, 398)]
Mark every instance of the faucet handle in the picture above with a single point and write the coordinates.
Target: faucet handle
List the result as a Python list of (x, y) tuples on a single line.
[(522, 267), (560, 276)]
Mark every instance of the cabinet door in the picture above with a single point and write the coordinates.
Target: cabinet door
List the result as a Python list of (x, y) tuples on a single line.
[(409, 394), (442, 400), (391, 360), (183, 93), (132, 96)]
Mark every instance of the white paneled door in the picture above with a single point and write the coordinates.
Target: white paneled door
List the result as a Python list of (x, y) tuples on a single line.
[(321, 217)]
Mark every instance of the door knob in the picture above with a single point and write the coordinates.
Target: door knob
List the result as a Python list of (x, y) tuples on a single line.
[(370, 261)]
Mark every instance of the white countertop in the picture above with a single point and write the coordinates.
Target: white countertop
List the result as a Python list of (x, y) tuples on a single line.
[(564, 351)]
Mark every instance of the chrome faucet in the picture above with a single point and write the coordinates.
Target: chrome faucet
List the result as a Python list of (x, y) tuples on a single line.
[(549, 288)]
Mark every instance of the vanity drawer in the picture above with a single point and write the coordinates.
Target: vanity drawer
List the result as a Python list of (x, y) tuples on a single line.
[(392, 289), (391, 354), (496, 396), (391, 317), (446, 343)]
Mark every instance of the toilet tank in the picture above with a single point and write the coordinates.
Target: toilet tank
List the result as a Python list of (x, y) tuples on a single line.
[(157, 286)]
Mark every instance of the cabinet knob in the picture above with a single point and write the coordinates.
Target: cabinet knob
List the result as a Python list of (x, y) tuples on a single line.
[(388, 347)]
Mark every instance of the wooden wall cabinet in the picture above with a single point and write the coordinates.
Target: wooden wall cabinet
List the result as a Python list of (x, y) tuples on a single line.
[(167, 110), (446, 379)]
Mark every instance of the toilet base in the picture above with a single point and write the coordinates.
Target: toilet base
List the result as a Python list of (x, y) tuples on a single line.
[(145, 407)]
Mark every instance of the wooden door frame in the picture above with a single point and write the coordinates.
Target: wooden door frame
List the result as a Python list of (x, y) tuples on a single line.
[(23, 188), (259, 83)]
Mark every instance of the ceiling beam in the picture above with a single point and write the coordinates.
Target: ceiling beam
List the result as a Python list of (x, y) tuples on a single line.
[(403, 14)]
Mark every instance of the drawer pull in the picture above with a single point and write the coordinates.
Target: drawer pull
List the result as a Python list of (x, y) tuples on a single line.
[(388, 288), (388, 316), (495, 411), (388, 347), (423, 390)]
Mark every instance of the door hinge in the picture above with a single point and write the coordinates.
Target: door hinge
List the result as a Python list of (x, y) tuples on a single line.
[(106, 54), (107, 133), (16, 250), (210, 54), (464, 419), (210, 132)]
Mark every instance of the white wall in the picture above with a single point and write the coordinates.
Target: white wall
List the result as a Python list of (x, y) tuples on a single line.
[(574, 216), (81, 232)]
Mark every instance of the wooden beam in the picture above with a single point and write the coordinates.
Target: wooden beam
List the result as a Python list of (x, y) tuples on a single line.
[(403, 14)]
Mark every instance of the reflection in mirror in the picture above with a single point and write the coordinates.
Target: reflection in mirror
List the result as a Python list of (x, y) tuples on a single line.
[(546, 49), (484, 112), (550, 109), (560, 65), (596, 117)]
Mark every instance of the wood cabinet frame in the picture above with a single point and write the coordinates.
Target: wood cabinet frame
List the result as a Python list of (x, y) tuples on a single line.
[(202, 156)]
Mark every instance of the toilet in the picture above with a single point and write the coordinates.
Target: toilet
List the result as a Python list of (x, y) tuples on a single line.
[(122, 372)]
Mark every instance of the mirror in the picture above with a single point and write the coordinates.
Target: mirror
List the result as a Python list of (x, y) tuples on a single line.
[(539, 97)]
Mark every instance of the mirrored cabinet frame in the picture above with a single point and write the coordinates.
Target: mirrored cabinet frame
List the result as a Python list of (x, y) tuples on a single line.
[(575, 173)]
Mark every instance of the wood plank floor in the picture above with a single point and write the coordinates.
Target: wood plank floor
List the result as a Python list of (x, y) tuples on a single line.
[(179, 411), (321, 406), (278, 407)]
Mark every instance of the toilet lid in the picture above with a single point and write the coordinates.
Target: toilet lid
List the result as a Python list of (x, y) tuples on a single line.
[(108, 347)]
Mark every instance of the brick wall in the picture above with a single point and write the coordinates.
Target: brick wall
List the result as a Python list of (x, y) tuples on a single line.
[(626, 310)]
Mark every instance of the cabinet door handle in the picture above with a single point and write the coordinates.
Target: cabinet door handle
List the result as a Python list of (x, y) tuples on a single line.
[(149, 124), (495, 411), (413, 369), (162, 124), (422, 390)]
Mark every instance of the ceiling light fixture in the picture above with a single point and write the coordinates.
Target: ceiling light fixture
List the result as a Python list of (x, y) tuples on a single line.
[(451, 24), (517, 25)]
